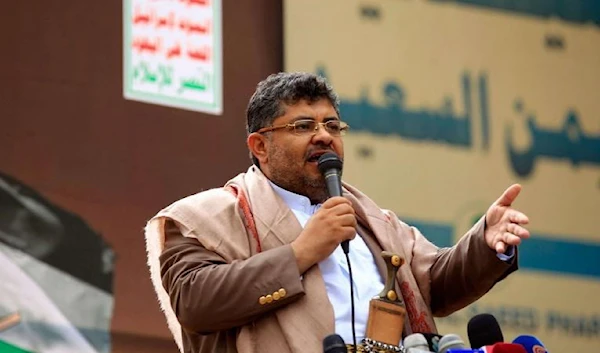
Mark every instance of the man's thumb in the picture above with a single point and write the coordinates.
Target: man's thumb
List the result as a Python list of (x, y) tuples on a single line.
[(509, 195)]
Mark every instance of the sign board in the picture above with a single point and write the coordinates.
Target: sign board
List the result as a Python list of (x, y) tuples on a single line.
[(172, 53), (449, 103)]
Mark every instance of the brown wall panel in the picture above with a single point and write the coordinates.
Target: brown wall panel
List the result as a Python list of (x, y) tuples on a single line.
[(68, 132)]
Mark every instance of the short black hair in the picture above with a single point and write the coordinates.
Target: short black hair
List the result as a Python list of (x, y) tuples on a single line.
[(267, 102)]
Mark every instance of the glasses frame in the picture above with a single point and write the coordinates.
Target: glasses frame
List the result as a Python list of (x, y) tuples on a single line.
[(344, 127)]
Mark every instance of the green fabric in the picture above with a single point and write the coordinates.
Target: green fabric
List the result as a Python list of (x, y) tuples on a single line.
[(9, 348)]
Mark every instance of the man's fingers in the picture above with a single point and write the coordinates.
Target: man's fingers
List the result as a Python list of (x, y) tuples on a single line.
[(509, 195), (334, 201), (348, 220), (500, 247), (342, 209), (505, 240), (517, 230), (351, 233), (510, 239), (515, 216)]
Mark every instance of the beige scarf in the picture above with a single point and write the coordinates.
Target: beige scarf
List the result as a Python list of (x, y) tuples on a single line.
[(268, 223)]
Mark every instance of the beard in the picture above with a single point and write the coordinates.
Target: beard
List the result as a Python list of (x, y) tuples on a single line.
[(290, 173)]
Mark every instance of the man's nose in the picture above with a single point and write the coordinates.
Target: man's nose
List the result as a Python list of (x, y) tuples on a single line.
[(322, 136)]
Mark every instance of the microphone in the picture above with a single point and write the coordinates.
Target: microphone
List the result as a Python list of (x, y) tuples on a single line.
[(330, 165), (504, 348), (496, 348), (450, 341), (415, 342), (483, 330), (334, 344), (531, 344), (433, 339)]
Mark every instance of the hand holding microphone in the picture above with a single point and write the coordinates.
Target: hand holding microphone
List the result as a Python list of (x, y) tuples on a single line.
[(333, 224)]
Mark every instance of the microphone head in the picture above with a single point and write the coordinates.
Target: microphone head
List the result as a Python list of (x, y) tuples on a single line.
[(415, 341), (483, 330), (531, 344), (505, 348), (450, 341), (329, 161), (334, 344)]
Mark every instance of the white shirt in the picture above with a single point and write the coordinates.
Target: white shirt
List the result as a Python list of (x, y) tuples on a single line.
[(367, 280)]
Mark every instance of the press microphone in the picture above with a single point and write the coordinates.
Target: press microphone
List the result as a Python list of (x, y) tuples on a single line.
[(502, 347), (495, 348), (415, 342), (433, 339), (450, 341), (483, 330), (531, 344), (334, 344), (330, 165)]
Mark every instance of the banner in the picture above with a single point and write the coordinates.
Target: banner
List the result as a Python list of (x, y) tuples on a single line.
[(172, 53), (449, 103)]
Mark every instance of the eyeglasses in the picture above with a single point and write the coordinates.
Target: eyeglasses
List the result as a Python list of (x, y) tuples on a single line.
[(310, 127)]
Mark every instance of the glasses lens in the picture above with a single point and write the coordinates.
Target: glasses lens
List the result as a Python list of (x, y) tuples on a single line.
[(334, 127), (304, 126)]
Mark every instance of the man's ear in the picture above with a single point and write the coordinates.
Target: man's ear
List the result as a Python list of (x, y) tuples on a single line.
[(257, 144)]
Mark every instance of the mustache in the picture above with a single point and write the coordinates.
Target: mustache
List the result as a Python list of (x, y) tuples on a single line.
[(318, 150)]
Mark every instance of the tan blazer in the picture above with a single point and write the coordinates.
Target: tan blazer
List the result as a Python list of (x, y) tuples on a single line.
[(227, 280)]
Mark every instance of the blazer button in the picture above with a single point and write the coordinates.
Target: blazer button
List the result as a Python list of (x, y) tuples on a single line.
[(269, 298), (276, 296), (282, 292), (262, 300)]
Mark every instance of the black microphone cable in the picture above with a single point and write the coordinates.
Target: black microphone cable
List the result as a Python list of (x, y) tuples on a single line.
[(351, 300)]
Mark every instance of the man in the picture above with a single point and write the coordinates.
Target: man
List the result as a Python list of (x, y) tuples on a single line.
[(256, 266)]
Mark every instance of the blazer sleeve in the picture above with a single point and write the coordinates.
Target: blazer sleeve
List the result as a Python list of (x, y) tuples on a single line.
[(465, 272), (208, 294)]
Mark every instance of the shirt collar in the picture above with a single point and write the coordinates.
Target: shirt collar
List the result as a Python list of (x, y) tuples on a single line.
[(295, 201)]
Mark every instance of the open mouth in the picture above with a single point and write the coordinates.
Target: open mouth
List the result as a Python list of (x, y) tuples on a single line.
[(314, 157)]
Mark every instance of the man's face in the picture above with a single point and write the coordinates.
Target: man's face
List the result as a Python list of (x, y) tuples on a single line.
[(292, 158)]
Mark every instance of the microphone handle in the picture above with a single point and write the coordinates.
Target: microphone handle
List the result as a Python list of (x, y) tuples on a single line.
[(334, 183), (334, 187)]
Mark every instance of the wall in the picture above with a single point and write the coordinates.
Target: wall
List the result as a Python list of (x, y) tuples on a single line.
[(68, 133), (449, 103)]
